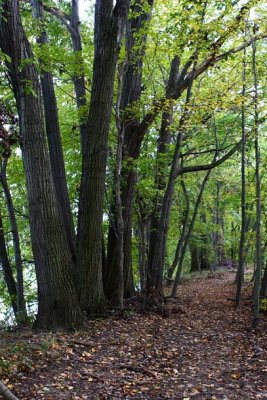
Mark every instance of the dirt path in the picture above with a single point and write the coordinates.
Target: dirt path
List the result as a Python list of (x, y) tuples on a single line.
[(203, 350)]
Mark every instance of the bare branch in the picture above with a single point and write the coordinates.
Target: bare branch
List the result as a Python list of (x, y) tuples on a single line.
[(196, 168)]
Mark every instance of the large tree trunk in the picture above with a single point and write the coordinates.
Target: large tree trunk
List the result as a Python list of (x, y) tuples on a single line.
[(109, 23), (54, 136), (131, 93), (57, 300)]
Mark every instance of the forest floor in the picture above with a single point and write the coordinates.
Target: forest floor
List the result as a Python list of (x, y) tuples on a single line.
[(201, 349)]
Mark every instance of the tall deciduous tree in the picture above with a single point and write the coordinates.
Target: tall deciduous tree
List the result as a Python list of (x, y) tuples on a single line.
[(57, 300), (53, 134), (109, 25)]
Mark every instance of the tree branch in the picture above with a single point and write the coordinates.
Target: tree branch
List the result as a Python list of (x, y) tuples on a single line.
[(209, 61), (6, 393), (196, 168), (60, 15)]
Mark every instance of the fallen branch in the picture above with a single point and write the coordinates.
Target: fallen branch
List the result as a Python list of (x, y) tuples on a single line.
[(6, 393)]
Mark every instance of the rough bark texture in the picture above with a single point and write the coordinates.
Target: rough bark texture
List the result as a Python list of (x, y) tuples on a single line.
[(109, 24), (54, 136), (57, 300)]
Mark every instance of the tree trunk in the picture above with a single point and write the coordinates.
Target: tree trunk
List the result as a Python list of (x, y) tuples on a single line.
[(79, 78), (21, 315), (7, 269), (195, 256), (205, 264), (162, 163), (54, 136), (264, 283), (258, 260), (109, 25), (57, 300), (131, 93), (183, 234), (195, 259), (215, 235), (241, 258), (156, 262)]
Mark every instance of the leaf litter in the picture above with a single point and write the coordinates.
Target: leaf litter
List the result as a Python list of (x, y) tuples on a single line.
[(201, 349)]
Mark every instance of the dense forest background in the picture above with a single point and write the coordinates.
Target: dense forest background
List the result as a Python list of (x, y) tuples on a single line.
[(133, 151)]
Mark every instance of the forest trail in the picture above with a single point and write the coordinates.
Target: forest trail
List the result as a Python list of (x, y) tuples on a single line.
[(204, 349)]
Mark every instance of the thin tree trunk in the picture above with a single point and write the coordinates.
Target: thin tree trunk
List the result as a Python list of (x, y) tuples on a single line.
[(142, 254), (109, 25), (162, 163), (57, 300), (189, 232), (242, 243), (264, 283), (54, 136), (131, 93), (258, 260), (21, 305), (79, 78), (73, 23), (183, 234), (215, 235), (156, 264), (7, 269), (119, 207), (205, 264)]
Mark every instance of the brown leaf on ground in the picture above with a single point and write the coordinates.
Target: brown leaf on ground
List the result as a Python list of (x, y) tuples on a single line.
[(207, 351)]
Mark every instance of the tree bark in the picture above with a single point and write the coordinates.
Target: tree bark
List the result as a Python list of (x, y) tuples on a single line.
[(57, 300), (241, 258), (79, 78), (162, 162), (131, 92), (258, 255), (264, 283), (54, 136), (156, 262), (7, 269), (183, 234), (195, 256), (109, 25), (21, 315)]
